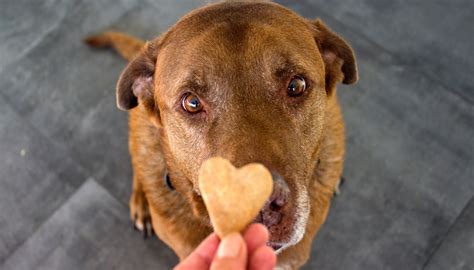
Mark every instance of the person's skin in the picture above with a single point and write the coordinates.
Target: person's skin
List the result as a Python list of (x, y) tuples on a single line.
[(234, 252)]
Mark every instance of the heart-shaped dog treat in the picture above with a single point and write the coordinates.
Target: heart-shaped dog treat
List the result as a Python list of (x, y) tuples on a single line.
[(233, 197)]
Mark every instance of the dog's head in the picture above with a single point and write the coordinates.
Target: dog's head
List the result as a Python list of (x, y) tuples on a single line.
[(248, 82)]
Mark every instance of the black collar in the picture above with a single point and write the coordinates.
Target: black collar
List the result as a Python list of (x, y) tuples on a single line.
[(167, 180)]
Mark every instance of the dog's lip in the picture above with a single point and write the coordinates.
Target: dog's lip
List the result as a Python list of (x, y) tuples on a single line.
[(275, 244)]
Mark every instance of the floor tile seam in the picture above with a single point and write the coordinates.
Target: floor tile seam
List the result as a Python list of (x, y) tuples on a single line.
[(46, 219), (393, 56), (446, 234), (37, 41), (74, 161)]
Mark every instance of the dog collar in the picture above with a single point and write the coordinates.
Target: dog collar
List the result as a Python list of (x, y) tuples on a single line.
[(167, 180)]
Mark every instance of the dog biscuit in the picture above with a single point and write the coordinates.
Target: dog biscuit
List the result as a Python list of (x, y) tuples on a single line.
[(233, 197)]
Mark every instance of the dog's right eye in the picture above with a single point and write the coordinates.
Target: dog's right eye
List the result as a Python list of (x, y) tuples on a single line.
[(297, 86), (191, 103)]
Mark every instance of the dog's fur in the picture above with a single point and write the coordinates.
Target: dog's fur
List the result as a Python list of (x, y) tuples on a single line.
[(238, 58)]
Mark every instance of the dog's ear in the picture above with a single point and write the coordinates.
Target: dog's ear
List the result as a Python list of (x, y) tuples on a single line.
[(338, 56), (135, 84)]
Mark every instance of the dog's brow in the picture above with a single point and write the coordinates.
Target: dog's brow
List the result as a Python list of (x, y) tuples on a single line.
[(287, 67), (195, 83)]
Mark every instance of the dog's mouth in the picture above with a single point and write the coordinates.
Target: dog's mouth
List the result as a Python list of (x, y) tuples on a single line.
[(287, 224), (279, 238), (284, 216), (276, 247)]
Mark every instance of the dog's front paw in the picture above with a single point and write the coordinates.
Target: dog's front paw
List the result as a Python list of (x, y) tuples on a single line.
[(140, 214)]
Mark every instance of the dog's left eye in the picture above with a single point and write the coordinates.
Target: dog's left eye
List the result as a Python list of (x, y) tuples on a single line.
[(297, 86), (191, 103)]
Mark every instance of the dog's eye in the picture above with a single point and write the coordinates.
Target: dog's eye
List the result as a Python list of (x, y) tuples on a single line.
[(297, 86), (191, 103)]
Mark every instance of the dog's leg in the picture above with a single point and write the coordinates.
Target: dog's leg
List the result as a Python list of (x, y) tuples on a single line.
[(139, 210), (127, 46)]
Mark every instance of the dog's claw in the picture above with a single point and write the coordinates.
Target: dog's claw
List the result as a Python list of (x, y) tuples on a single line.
[(342, 181), (147, 228), (140, 215), (337, 191)]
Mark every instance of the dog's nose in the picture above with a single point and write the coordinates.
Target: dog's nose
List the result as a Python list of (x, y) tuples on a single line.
[(271, 213)]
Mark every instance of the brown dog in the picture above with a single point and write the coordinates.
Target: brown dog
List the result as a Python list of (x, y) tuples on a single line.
[(251, 82)]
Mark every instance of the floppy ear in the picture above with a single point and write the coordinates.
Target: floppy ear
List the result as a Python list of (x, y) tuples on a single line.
[(135, 84), (338, 56)]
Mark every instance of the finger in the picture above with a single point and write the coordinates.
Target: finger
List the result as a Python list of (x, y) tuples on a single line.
[(202, 256), (255, 236), (232, 254), (227, 264), (264, 258)]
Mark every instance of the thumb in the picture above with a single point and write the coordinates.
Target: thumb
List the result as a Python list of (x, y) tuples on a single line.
[(231, 254)]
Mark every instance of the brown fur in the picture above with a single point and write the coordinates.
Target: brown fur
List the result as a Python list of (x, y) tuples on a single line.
[(238, 58)]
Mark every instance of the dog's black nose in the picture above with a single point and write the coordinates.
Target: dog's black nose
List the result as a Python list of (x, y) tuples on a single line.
[(271, 213)]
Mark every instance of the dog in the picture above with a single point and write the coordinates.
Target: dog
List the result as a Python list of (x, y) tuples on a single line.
[(247, 81)]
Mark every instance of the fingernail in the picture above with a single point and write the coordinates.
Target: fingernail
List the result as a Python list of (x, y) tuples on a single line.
[(230, 246)]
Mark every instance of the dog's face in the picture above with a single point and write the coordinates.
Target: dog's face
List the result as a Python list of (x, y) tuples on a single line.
[(248, 82)]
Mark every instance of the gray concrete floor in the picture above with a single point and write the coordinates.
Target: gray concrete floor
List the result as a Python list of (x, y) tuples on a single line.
[(65, 173)]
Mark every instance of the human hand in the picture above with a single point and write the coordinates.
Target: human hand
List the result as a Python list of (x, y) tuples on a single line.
[(234, 252)]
